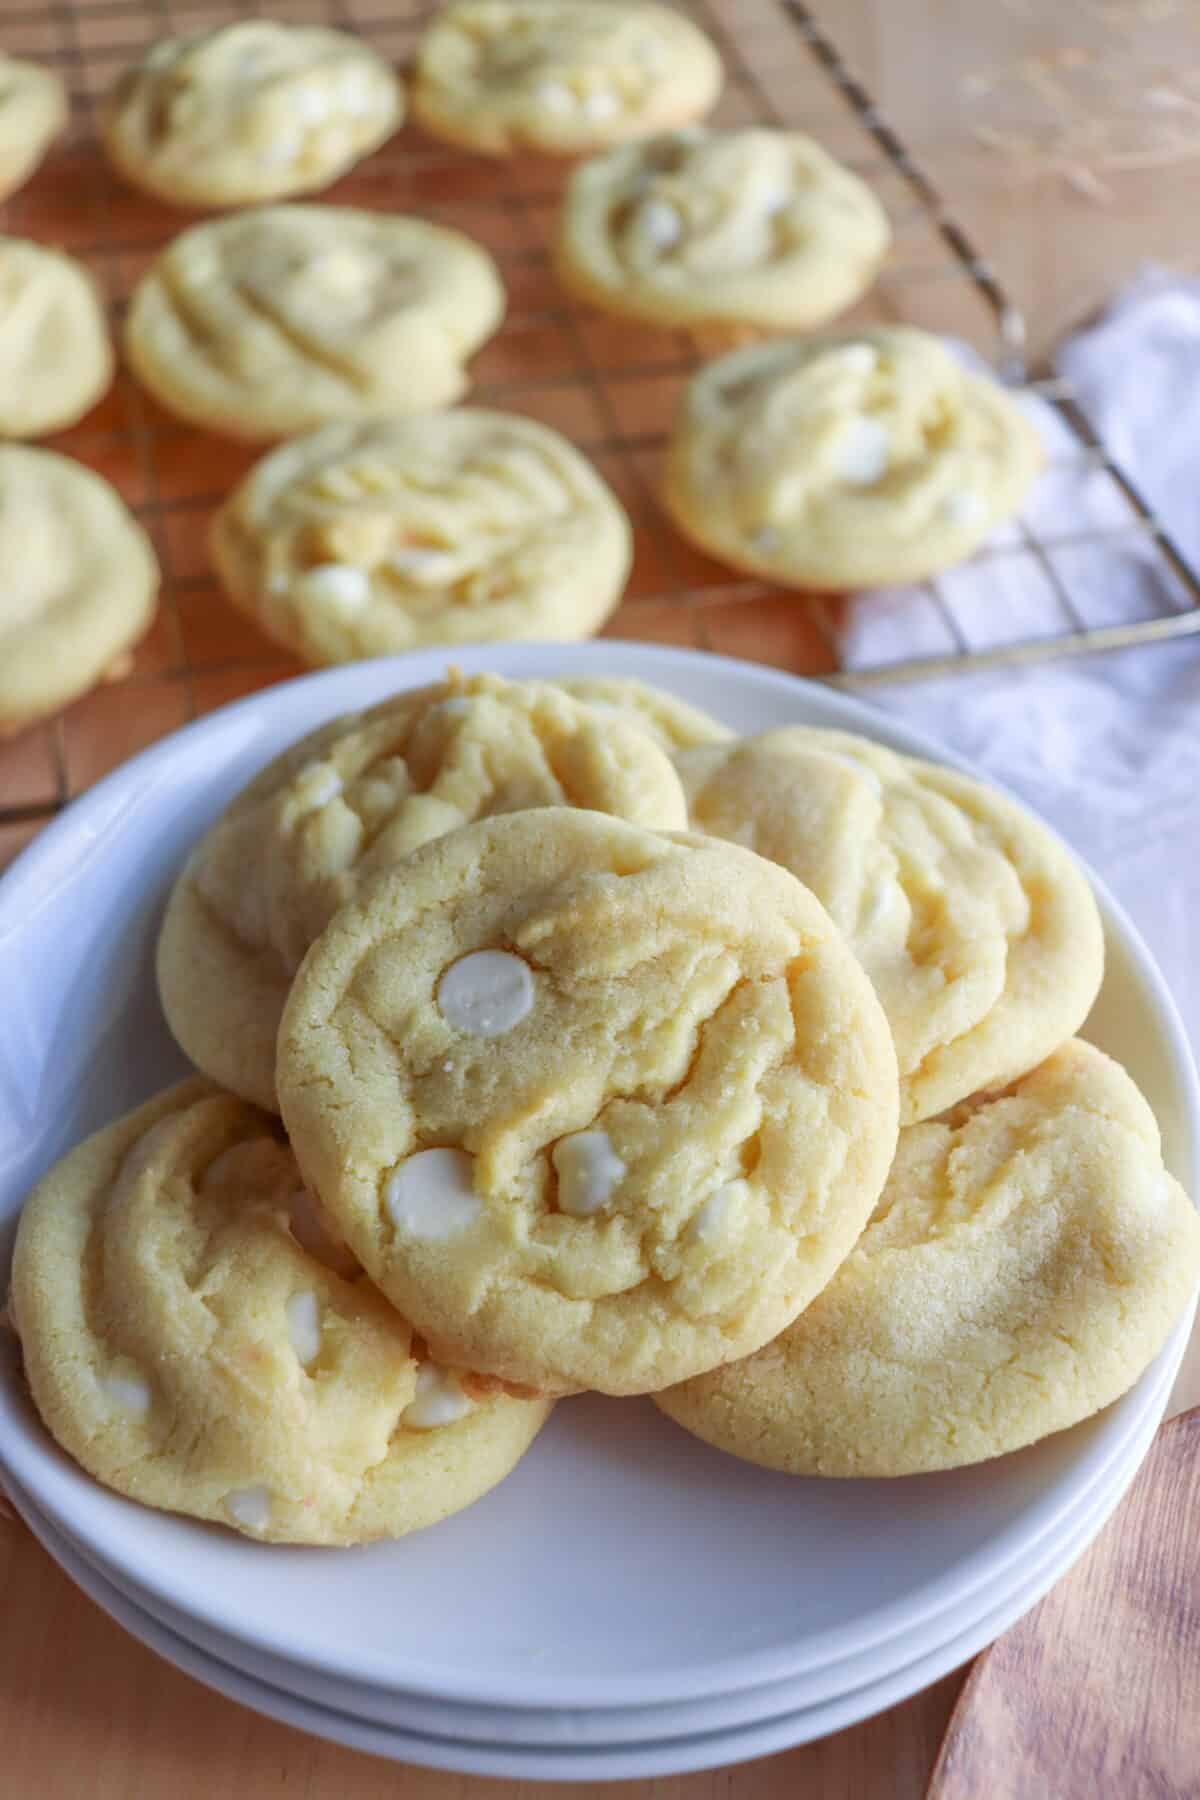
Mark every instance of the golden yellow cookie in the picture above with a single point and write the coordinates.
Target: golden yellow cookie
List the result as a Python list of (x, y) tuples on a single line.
[(560, 76), (977, 927), (744, 230), (844, 462), (191, 1338), (364, 539), (80, 582), (593, 1105), (56, 357), (33, 110), (1025, 1263), (250, 111), (671, 722), (354, 799), (282, 318)]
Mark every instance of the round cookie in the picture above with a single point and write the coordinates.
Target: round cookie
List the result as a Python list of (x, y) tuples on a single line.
[(33, 110), (845, 462), (282, 318), (56, 358), (563, 77), (194, 1342), (593, 1105), (670, 721), (744, 231), (978, 929), (360, 540), (80, 588), (251, 111), (354, 799), (1025, 1263)]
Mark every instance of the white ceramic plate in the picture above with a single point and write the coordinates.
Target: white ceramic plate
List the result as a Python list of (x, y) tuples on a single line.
[(574, 1584)]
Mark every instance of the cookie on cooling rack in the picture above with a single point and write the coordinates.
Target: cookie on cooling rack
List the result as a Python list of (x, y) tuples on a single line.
[(846, 461), (744, 231), (80, 583), (562, 77), (251, 111), (978, 929), (195, 1341), (56, 356), (1025, 1264), (354, 799), (281, 318), (592, 1104), (365, 539), (33, 110)]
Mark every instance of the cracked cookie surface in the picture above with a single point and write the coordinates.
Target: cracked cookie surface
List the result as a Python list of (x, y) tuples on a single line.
[(56, 357), (33, 110)]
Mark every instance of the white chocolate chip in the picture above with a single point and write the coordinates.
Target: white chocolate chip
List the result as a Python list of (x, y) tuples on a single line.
[(344, 271), (964, 507), (279, 152), (250, 1506), (421, 562), (861, 452), (310, 104), (304, 1326), (318, 784), (485, 993), (858, 359), (864, 771), (430, 1195), (130, 1392), (588, 1169), (440, 1399), (660, 222), (602, 103), (555, 96), (343, 586), (708, 1222)]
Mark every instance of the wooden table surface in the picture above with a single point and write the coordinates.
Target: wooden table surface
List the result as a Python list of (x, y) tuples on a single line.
[(1042, 122)]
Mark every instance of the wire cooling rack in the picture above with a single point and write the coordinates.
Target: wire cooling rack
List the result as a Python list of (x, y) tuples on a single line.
[(608, 385)]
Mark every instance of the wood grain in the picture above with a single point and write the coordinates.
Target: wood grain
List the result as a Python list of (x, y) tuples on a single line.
[(1097, 1691)]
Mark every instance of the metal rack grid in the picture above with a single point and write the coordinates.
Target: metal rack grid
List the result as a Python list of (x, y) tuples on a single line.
[(608, 385)]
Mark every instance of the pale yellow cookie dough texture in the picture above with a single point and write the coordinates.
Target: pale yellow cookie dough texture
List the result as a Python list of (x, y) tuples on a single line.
[(249, 112), (563, 77), (365, 539), (56, 356), (752, 230), (80, 582), (354, 799), (847, 461), (184, 1345), (1025, 1264), (978, 929), (33, 110), (593, 1105), (670, 721), (282, 318)]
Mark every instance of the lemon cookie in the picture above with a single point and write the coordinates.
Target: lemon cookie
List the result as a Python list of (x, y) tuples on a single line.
[(191, 1340), (33, 110), (282, 318), (55, 353), (355, 798), (250, 111), (1025, 1263), (741, 230), (560, 76), (454, 527), (80, 582), (592, 1105), (843, 462), (671, 722), (977, 927)]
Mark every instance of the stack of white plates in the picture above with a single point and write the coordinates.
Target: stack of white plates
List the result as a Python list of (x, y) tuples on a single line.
[(629, 1602)]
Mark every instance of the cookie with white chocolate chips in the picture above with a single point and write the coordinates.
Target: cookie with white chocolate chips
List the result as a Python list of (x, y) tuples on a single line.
[(592, 1105), (193, 1340)]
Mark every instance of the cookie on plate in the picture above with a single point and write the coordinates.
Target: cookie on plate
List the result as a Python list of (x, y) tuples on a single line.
[(742, 231), (563, 77), (354, 799), (251, 111), (842, 462), (56, 356), (454, 527), (671, 722), (33, 110), (977, 927), (282, 318), (592, 1105), (1025, 1264), (80, 584), (194, 1340)]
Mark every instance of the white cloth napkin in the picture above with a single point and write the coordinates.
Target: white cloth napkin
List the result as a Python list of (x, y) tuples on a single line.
[(1107, 747)]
